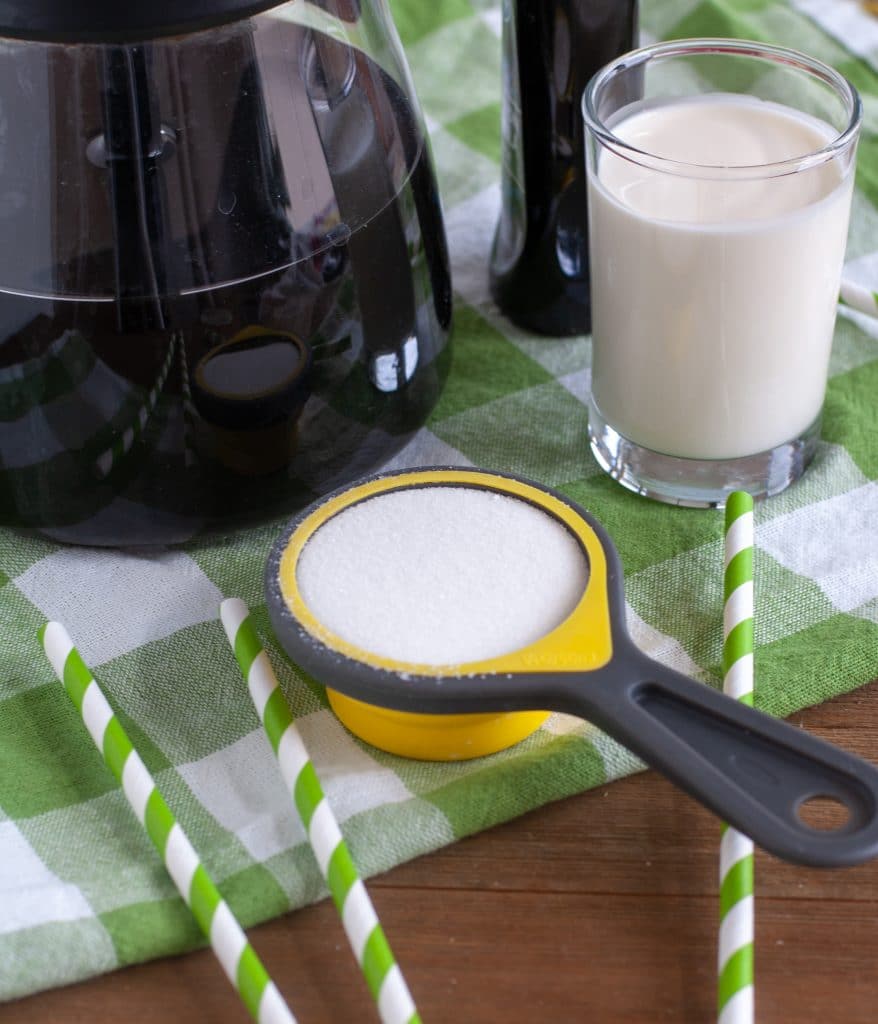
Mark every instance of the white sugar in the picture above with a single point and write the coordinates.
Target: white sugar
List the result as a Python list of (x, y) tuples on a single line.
[(442, 575)]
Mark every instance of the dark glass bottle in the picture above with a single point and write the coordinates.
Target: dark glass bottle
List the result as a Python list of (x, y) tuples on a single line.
[(551, 48)]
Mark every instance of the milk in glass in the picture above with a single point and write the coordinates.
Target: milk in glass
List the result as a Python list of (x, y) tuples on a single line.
[(714, 299)]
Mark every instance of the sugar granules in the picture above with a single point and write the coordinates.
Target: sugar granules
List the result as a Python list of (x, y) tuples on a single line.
[(442, 575)]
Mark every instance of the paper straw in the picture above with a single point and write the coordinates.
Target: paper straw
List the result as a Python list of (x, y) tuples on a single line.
[(859, 298), (234, 952), (735, 1002), (364, 932)]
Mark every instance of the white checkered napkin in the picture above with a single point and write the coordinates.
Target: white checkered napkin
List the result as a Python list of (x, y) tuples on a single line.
[(240, 785), (146, 619), (425, 449), (116, 601), (30, 893), (848, 22), (98, 847), (461, 173), (862, 232), (49, 933), (863, 272), (447, 92), (470, 224), (860, 284), (53, 954), (846, 570)]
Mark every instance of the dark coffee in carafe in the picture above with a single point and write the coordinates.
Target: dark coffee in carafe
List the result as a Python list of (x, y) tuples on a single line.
[(224, 284)]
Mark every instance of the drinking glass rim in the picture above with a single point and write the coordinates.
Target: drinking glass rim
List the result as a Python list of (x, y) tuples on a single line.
[(735, 47)]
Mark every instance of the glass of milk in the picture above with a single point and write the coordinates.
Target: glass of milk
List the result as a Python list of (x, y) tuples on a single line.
[(720, 175)]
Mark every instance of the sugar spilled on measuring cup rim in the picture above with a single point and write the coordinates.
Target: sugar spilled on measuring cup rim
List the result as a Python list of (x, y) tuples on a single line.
[(442, 575)]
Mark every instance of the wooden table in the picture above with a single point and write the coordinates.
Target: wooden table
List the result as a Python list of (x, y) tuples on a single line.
[(602, 907)]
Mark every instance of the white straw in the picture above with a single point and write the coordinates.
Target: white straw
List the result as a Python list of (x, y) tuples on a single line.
[(237, 957), (735, 997), (361, 925)]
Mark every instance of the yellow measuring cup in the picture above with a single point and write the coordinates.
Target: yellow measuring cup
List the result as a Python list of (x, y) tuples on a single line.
[(754, 771)]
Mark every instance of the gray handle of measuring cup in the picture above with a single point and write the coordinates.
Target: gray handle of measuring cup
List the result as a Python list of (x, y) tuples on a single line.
[(752, 770)]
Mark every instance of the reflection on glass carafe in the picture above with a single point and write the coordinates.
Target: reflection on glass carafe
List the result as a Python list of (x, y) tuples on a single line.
[(224, 286), (248, 394)]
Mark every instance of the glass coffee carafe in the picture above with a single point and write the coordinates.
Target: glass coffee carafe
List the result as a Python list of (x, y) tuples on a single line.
[(224, 284)]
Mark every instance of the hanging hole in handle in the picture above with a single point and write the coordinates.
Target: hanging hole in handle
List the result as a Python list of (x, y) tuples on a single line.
[(823, 813)]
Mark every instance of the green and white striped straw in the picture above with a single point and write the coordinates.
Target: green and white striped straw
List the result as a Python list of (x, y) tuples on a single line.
[(364, 932), (735, 1002), (234, 952), (858, 297), (124, 442)]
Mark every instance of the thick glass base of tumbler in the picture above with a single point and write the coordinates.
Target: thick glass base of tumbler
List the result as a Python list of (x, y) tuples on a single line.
[(698, 483)]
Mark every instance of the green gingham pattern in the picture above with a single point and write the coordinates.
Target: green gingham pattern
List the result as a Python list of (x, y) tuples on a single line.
[(236, 956), (857, 297), (81, 889), (735, 1000), (361, 924)]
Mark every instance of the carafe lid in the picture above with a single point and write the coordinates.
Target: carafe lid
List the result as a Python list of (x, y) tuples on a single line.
[(111, 21)]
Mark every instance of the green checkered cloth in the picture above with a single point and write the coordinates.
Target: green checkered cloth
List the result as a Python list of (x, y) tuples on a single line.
[(81, 889)]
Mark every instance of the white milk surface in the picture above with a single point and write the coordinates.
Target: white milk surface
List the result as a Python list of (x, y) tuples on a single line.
[(713, 300), (442, 575)]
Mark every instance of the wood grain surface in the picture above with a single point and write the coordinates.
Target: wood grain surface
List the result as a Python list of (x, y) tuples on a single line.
[(602, 907)]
